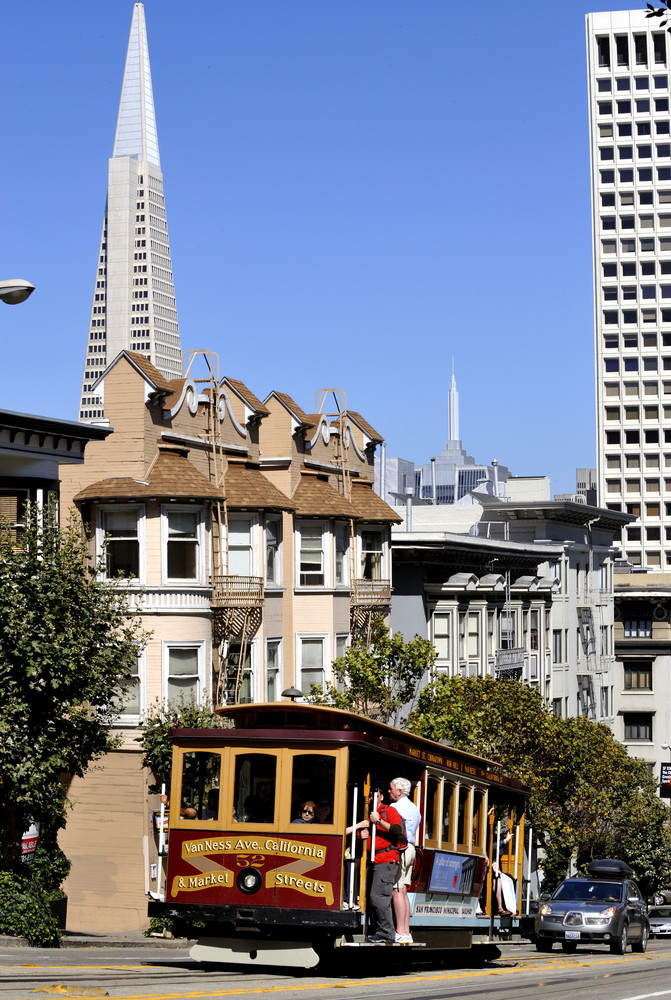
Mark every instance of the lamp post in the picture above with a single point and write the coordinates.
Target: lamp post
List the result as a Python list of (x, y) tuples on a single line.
[(15, 290)]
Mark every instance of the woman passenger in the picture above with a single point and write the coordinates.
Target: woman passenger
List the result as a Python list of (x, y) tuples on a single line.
[(307, 813)]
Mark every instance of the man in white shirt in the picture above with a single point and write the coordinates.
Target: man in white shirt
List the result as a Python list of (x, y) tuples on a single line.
[(399, 790)]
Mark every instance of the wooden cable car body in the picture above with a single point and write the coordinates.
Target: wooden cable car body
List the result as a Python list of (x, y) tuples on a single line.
[(270, 889)]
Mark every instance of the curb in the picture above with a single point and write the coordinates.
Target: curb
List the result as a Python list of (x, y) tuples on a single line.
[(103, 941)]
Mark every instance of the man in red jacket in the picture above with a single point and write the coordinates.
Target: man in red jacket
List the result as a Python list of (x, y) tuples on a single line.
[(388, 829)]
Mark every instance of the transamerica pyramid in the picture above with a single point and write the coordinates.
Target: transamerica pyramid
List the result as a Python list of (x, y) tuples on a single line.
[(134, 295)]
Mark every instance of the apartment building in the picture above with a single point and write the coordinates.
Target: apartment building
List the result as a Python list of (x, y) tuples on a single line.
[(515, 589), (254, 547)]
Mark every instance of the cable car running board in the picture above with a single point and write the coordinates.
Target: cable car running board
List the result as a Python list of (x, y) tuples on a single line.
[(255, 951)]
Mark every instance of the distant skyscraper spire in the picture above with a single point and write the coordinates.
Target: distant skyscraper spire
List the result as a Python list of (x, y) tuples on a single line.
[(453, 409), (134, 295)]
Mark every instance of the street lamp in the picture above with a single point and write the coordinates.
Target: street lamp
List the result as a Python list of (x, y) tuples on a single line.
[(15, 290)]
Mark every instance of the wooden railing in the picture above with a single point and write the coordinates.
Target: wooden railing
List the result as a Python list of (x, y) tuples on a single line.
[(371, 592), (237, 591)]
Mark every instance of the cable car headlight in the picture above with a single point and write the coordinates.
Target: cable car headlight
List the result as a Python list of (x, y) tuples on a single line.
[(249, 880)]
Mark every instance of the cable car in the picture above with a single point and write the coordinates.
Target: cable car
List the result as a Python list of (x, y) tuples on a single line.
[(270, 884)]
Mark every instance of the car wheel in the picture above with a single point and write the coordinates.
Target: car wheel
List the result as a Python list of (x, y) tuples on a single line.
[(543, 945), (641, 945), (569, 946), (619, 945)]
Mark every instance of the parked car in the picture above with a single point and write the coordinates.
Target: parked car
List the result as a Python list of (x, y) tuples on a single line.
[(660, 921), (603, 907)]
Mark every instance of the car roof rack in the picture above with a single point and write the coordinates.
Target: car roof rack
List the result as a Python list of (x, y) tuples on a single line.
[(609, 868)]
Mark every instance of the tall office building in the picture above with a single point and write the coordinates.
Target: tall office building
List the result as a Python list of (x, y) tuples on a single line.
[(628, 64), (134, 295)]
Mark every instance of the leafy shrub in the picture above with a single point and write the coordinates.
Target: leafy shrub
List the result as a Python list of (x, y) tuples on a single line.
[(25, 910)]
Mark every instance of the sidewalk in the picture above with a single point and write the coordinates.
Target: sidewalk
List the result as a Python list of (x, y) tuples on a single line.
[(117, 939)]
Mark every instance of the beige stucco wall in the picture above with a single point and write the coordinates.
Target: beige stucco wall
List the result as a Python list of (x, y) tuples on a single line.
[(106, 838)]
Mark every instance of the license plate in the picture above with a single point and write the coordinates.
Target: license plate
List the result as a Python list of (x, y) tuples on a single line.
[(572, 935)]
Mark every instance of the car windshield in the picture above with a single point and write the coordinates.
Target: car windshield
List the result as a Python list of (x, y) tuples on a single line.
[(601, 892), (660, 911)]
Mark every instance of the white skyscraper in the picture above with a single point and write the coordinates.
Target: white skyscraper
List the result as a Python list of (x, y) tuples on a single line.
[(134, 295), (627, 56)]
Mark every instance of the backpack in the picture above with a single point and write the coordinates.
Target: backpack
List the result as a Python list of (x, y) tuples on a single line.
[(402, 841)]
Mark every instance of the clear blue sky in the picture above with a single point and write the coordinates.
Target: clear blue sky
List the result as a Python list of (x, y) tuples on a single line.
[(357, 191)]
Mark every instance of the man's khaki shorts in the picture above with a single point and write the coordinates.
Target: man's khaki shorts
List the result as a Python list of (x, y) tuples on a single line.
[(404, 876)]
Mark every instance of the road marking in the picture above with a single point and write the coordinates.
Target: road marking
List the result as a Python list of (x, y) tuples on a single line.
[(375, 982), (543, 964), (644, 996)]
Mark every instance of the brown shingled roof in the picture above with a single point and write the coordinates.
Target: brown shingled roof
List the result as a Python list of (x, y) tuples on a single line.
[(247, 395), (246, 486), (294, 408), (314, 497), (171, 475), (369, 506), (146, 367), (365, 426)]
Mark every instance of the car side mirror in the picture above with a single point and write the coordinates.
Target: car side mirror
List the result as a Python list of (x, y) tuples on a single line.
[(543, 896)]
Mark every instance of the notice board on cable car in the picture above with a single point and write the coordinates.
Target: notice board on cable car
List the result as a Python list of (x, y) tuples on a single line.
[(452, 873)]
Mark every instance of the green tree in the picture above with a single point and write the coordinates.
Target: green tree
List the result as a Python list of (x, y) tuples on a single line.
[(155, 740), (67, 642), (379, 679), (589, 798)]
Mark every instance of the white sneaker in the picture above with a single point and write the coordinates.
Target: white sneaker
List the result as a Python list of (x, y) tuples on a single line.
[(406, 939), (398, 938)]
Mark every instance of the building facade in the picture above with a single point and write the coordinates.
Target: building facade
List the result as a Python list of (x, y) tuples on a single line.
[(525, 591), (254, 547), (630, 139), (134, 295)]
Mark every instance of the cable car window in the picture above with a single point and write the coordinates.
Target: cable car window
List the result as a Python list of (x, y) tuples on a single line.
[(312, 788), (478, 820), (464, 795), (447, 832), (254, 788), (201, 772), (432, 808)]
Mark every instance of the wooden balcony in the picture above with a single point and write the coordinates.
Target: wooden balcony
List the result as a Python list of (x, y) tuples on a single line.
[(237, 592), (371, 593)]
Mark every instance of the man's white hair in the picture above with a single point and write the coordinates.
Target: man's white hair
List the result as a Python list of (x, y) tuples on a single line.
[(402, 785)]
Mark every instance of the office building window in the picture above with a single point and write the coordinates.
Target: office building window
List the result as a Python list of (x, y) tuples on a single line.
[(311, 659), (638, 628), (181, 533), (371, 555), (273, 528), (133, 694), (183, 671), (557, 636), (274, 684), (342, 536), (121, 535), (240, 546), (311, 555), (638, 726), (638, 675), (239, 674)]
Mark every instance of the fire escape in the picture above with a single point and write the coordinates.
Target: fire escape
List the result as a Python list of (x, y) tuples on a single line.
[(370, 594), (237, 601), (509, 662)]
